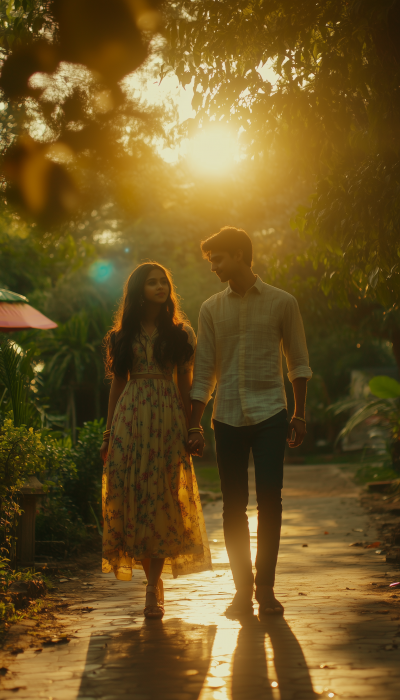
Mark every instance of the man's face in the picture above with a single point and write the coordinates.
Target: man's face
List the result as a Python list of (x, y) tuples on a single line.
[(224, 265)]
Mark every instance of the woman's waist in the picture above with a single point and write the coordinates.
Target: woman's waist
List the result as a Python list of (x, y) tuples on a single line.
[(150, 375)]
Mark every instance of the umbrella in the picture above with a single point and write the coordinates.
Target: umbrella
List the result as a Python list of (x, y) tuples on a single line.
[(16, 314)]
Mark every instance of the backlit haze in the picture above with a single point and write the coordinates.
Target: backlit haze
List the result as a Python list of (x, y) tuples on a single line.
[(215, 148)]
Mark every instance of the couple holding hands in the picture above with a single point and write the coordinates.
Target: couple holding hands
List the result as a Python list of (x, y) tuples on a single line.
[(162, 381)]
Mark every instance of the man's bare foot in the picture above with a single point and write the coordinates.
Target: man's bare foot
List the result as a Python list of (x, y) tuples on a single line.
[(269, 605)]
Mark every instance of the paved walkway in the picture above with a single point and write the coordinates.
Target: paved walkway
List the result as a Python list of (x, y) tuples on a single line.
[(339, 637)]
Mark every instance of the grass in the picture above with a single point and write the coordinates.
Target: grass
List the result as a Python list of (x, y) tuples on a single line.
[(362, 471), (207, 476), (336, 458), (374, 472)]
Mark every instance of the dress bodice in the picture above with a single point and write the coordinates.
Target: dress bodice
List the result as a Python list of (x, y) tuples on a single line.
[(143, 352)]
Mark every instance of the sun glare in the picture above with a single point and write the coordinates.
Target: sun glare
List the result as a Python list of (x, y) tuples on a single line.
[(212, 152)]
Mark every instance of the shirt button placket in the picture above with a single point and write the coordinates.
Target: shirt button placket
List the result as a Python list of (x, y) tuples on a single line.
[(242, 354)]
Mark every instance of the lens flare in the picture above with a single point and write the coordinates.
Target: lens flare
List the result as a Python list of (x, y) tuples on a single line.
[(100, 270)]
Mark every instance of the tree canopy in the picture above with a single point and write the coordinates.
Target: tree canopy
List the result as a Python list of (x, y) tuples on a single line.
[(328, 107), (68, 118)]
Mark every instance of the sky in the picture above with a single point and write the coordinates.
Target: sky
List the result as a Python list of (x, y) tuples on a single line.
[(212, 150)]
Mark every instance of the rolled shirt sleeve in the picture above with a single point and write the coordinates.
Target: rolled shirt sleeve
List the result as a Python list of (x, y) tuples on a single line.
[(185, 367), (294, 342), (204, 378)]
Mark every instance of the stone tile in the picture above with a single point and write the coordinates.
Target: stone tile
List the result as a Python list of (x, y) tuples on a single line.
[(201, 655)]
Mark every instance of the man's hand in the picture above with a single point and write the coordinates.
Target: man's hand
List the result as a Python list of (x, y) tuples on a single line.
[(299, 428), (196, 443)]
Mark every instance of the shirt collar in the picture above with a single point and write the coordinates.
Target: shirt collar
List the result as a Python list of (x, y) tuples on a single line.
[(146, 333), (257, 287)]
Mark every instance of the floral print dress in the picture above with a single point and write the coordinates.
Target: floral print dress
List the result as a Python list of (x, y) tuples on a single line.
[(151, 502)]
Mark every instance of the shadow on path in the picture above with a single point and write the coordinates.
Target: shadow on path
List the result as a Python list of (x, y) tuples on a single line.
[(159, 661), (272, 637)]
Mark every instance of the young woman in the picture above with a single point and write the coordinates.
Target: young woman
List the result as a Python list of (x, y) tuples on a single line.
[(151, 504)]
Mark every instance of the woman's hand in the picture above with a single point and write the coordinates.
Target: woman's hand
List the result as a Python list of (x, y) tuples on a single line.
[(196, 443), (104, 450)]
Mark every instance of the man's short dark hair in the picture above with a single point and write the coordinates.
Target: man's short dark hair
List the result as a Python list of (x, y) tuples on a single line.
[(231, 240)]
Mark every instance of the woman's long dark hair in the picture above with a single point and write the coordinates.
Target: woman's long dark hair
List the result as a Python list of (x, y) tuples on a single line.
[(172, 340)]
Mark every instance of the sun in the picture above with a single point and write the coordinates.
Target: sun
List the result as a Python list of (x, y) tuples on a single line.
[(212, 152)]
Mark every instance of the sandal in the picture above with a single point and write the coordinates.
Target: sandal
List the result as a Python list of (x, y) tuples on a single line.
[(160, 592), (155, 612)]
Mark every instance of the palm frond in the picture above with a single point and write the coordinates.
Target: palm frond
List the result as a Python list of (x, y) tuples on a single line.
[(382, 406), (15, 383), (344, 405)]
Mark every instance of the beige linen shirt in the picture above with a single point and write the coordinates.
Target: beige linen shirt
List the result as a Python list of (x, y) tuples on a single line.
[(239, 347)]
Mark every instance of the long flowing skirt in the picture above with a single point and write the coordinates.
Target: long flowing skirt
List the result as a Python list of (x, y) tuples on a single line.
[(151, 502)]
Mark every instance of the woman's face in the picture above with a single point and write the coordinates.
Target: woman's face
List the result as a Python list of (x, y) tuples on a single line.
[(156, 287)]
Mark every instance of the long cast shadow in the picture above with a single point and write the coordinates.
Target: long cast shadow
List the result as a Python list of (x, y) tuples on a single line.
[(159, 661), (250, 670)]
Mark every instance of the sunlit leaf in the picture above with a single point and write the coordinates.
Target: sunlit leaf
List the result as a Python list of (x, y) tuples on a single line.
[(384, 387)]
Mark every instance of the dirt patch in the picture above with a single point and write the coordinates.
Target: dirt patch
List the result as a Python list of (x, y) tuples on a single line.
[(384, 508)]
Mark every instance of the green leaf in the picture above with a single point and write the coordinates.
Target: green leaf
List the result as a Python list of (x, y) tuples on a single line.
[(384, 387), (10, 8)]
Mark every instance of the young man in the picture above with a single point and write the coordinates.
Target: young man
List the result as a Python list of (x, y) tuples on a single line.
[(241, 334)]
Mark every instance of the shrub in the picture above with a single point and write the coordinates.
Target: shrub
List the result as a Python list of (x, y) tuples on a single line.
[(84, 489), (21, 454), (385, 406), (59, 521), (73, 501)]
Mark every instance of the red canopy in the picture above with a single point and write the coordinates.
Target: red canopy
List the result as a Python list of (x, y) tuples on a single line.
[(17, 316)]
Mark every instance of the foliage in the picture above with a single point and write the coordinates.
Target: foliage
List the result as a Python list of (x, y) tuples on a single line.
[(34, 264), (58, 520), (9, 576), (19, 386), (20, 19), (24, 452), (67, 509), (21, 454), (315, 85), (84, 490), (385, 387), (373, 472), (67, 119), (16, 375), (386, 406), (68, 354)]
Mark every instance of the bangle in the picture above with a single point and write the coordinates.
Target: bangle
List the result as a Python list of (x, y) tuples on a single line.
[(106, 434), (196, 430), (298, 418)]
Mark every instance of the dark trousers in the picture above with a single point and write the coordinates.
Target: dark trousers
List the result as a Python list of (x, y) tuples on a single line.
[(267, 441)]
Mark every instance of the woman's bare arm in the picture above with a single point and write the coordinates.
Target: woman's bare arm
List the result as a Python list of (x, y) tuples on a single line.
[(118, 384), (184, 385)]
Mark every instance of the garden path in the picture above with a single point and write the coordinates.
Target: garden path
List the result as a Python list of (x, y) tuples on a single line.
[(339, 637)]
